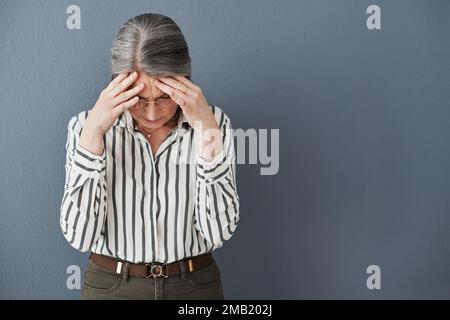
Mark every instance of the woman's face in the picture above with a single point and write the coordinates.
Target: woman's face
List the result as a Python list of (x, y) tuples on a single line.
[(152, 116)]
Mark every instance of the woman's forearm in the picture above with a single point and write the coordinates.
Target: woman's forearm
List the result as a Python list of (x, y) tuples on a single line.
[(91, 140), (83, 208)]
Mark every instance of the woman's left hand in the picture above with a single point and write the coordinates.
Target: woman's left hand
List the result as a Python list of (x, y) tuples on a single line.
[(196, 110), (190, 98)]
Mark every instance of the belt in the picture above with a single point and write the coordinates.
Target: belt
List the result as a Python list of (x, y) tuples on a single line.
[(153, 269)]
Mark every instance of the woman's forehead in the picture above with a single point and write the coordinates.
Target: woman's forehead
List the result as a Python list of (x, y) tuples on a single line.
[(150, 90), (148, 80)]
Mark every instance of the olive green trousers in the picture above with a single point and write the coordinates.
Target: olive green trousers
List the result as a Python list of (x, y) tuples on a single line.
[(202, 284)]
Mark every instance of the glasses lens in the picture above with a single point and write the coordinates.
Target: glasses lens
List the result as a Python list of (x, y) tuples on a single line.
[(161, 102), (165, 102)]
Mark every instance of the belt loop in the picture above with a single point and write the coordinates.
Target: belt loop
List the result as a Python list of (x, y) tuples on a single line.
[(183, 269), (125, 272)]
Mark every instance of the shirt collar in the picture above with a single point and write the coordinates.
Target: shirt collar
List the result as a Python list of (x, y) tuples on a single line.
[(125, 120)]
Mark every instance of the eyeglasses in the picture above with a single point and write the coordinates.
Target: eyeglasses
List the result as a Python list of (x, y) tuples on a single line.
[(142, 103)]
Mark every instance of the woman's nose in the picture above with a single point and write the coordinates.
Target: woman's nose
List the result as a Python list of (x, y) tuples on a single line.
[(152, 112)]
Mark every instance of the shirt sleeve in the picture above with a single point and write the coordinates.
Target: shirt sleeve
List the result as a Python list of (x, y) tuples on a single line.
[(216, 198), (83, 207)]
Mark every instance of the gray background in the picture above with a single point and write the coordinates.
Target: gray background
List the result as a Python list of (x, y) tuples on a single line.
[(364, 155)]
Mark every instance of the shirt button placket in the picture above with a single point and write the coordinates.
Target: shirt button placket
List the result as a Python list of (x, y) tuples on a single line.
[(153, 212)]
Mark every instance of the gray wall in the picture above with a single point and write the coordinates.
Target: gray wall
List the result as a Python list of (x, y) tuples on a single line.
[(364, 151)]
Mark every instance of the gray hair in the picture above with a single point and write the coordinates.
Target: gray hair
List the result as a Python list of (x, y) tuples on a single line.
[(151, 43)]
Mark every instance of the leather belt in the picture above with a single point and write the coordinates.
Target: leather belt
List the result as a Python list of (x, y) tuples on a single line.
[(153, 269)]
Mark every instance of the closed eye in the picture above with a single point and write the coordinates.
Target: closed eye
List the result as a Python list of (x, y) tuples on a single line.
[(164, 96)]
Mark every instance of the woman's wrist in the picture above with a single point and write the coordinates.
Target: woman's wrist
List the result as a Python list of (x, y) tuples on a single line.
[(209, 142), (91, 140)]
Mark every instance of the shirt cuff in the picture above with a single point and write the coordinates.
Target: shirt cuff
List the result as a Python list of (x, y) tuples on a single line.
[(214, 170), (89, 163)]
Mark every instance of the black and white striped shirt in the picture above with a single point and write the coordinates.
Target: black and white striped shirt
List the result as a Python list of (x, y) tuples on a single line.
[(136, 207)]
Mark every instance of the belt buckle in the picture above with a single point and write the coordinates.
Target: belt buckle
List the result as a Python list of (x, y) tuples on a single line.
[(155, 270)]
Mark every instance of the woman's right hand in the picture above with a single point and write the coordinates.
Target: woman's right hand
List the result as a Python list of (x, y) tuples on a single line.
[(112, 102)]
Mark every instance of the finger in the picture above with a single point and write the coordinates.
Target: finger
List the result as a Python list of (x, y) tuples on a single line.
[(187, 82), (124, 84), (176, 84), (117, 111), (117, 80), (128, 94), (172, 92), (180, 101)]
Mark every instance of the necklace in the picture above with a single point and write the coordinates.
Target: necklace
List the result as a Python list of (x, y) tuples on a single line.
[(137, 129), (147, 134)]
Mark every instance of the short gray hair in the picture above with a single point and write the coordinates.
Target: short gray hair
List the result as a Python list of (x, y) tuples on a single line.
[(151, 43)]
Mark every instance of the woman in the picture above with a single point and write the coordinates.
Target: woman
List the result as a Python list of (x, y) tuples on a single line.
[(150, 174)]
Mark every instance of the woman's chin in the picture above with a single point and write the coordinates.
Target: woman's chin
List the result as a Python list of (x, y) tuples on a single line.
[(154, 123)]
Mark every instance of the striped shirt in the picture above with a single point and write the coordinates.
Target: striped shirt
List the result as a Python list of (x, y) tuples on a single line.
[(134, 206)]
